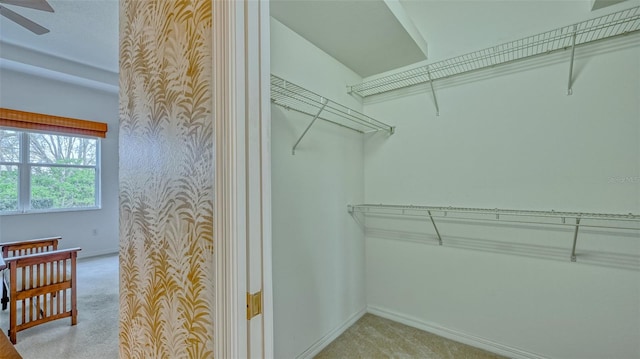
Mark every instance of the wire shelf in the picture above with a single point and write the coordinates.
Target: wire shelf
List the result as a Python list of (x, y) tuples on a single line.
[(575, 220), (377, 208), (296, 98), (608, 26)]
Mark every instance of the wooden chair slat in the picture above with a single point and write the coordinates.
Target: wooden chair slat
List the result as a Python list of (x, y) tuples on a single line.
[(40, 289)]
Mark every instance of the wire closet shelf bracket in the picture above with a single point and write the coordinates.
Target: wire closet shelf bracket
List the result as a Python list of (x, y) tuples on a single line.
[(293, 97), (576, 220), (568, 37)]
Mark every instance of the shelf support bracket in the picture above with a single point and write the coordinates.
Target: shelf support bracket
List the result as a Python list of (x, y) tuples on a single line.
[(573, 52), (436, 228), (433, 92), (575, 240), (293, 151)]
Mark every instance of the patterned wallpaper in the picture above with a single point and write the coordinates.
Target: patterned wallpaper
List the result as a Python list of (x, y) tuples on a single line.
[(166, 179)]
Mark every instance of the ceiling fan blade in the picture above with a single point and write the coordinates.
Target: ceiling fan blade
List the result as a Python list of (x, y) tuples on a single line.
[(32, 4), (23, 21)]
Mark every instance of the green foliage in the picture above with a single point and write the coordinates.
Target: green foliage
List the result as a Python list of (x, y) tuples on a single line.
[(8, 188), (62, 187), (51, 186)]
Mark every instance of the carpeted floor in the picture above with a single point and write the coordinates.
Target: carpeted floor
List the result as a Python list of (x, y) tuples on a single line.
[(373, 337), (95, 335)]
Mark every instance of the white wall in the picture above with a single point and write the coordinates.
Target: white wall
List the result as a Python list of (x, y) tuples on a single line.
[(511, 138), (26, 92), (318, 250)]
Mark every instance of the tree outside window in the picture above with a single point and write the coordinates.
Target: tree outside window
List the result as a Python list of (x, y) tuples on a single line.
[(43, 171)]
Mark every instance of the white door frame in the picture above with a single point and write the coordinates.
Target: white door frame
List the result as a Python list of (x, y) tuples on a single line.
[(243, 177)]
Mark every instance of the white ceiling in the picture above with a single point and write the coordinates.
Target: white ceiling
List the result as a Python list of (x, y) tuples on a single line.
[(453, 28), (363, 34), (85, 31)]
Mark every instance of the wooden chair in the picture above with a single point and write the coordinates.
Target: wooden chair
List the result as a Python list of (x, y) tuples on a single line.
[(42, 283), (13, 249)]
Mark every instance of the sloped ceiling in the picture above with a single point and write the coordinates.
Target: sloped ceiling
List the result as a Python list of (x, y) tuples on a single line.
[(454, 28), (363, 35), (85, 31)]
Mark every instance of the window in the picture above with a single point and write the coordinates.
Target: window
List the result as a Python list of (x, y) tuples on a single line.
[(48, 163), (48, 171)]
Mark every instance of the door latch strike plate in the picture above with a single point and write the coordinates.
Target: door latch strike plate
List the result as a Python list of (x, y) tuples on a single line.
[(254, 304)]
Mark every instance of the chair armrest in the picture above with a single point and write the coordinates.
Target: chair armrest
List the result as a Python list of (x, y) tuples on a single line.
[(29, 246), (30, 259)]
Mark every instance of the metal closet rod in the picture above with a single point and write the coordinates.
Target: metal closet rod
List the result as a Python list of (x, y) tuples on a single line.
[(293, 97), (500, 211), (412, 211)]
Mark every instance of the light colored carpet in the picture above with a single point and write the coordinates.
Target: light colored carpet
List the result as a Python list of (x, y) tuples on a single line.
[(96, 334), (373, 337)]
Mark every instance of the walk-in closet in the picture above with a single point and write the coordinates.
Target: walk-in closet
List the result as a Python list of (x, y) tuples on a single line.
[(475, 175)]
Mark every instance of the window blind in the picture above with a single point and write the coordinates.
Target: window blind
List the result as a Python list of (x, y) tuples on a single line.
[(49, 123)]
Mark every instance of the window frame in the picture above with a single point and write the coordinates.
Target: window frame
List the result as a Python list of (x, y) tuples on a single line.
[(25, 166)]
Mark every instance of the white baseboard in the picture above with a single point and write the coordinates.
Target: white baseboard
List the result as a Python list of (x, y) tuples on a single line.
[(464, 338), (317, 347)]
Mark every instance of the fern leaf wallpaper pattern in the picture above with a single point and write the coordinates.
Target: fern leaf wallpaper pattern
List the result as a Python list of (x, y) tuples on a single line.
[(166, 179)]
